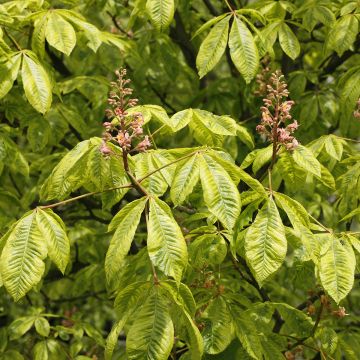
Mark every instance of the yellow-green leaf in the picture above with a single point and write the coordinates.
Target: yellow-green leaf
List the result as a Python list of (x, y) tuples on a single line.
[(265, 242), (36, 83)]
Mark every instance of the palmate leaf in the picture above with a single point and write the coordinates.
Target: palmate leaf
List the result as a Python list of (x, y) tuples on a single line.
[(8, 74), (288, 41), (22, 263), (60, 34), (36, 83), (220, 193), (213, 47), (125, 222), (151, 336), (265, 242), (53, 231), (243, 50), (186, 177), (161, 12), (166, 243), (337, 267)]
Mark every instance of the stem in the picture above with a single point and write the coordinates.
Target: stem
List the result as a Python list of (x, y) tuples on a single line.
[(320, 224), (83, 196), (348, 139), (159, 129), (12, 39), (230, 8), (270, 181), (318, 318), (137, 184)]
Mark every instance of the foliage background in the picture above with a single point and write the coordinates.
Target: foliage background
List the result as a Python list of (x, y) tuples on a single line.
[(57, 58)]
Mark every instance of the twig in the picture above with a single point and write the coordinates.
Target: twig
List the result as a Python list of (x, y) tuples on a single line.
[(83, 196), (12, 39)]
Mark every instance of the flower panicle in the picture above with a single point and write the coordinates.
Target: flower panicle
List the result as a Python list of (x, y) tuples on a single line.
[(275, 114), (357, 111), (124, 129)]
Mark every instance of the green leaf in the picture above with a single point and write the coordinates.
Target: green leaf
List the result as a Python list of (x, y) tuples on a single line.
[(218, 332), (40, 351), (288, 41), (161, 13), (181, 119), (296, 213), (166, 243), (181, 295), (199, 126), (243, 50), (38, 133), (337, 267), (343, 34), (186, 177), (185, 326), (127, 301), (220, 194), (8, 74), (334, 147), (213, 47), (306, 160), (207, 249), (151, 336), (351, 214), (156, 184), (207, 25), (265, 242), (349, 93), (262, 157), (68, 175), (91, 32), (22, 263), (38, 36), (125, 222), (247, 333), (221, 125), (53, 231), (251, 182), (20, 326), (42, 326), (36, 83), (60, 34), (245, 136)]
